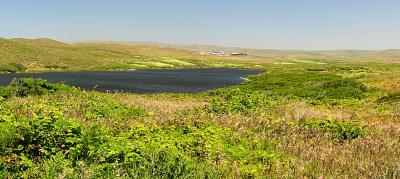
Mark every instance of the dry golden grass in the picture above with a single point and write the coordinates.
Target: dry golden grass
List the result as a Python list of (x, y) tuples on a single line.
[(315, 154), (162, 106)]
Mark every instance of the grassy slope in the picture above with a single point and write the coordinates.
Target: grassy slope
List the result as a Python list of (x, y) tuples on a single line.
[(300, 118), (50, 55)]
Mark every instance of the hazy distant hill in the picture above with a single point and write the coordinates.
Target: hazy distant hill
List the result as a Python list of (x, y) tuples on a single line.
[(342, 54), (393, 54)]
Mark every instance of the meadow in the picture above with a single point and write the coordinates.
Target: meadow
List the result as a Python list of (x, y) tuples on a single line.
[(299, 118)]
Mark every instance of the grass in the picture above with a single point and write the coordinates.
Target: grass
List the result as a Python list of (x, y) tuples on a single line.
[(312, 118), (38, 55)]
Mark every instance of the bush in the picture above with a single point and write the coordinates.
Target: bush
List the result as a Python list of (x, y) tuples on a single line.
[(226, 101), (12, 68), (42, 136), (32, 86), (344, 89), (208, 144), (391, 98), (194, 150), (340, 129), (6, 91)]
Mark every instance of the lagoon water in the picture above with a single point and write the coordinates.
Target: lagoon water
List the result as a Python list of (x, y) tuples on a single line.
[(145, 81)]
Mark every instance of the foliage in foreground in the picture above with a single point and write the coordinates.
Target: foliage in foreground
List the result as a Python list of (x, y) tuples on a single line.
[(170, 151), (62, 146)]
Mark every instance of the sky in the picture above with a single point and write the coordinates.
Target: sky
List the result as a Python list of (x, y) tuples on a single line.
[(268, 24)]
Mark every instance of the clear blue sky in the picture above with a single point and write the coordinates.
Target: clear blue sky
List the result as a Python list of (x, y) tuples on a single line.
[(276, 24)]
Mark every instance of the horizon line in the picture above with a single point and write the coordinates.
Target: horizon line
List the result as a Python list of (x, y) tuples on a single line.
[(193, 44)]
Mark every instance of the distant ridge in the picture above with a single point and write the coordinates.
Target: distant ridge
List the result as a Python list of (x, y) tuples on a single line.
[(46, 55), (340, 54)]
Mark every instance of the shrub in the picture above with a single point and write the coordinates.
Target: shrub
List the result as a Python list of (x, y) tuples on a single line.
[(32, 86), (227, 101), (391, 98), (195, 150), (344, 89), (42, 136), (340, 129), (6, 91), (25, 142), (12, 68), (211, 144)]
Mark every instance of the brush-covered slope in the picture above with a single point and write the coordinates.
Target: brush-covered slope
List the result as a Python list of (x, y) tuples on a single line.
[(42, 55), (18, 55), (50, 55)]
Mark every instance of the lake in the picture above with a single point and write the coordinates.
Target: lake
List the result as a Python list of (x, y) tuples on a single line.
[(145, 81)]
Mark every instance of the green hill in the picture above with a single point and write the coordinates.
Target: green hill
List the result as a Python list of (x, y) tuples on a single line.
[(42, 55), (35, 55)]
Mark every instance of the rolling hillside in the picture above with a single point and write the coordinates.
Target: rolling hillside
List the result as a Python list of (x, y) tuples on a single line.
[(49, 55)]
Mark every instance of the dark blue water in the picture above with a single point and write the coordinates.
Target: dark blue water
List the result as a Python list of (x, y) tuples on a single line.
[(145, 81)]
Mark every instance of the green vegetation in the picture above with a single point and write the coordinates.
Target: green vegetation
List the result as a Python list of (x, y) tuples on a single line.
[(309, 85), (38, 55), (200, 149), (237, 101), (391, 98), (302, 117), (339, 129), (12, 68), (30, 86)]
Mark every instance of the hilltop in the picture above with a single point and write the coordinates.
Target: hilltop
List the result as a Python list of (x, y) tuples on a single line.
[(35, 55), (50, 55)]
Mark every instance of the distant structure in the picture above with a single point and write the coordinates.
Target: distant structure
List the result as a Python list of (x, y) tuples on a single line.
[(218, 53), (238, 54), (222, 53)]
